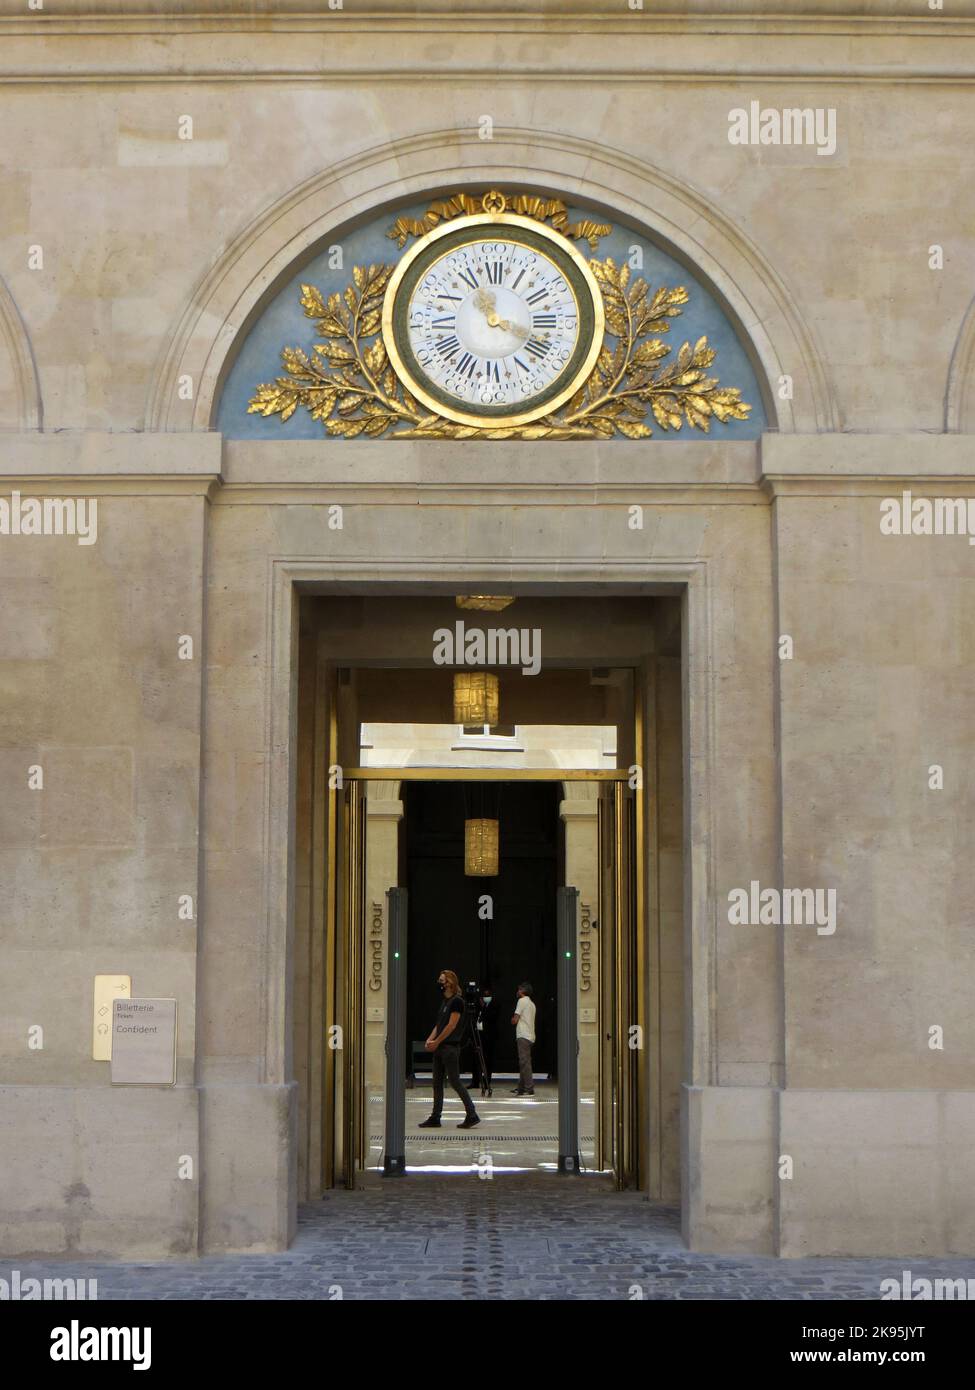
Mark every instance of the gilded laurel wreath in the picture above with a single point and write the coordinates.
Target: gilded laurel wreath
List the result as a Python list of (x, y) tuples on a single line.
[(347, 382)]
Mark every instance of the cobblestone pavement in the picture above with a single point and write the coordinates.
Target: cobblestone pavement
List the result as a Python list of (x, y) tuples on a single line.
[(462, 1238)]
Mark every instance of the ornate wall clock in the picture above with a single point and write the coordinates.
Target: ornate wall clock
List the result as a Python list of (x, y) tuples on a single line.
[(494, 326), (493, 320)]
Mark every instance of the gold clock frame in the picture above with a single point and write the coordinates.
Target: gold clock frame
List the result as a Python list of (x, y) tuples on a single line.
[(501, 220)]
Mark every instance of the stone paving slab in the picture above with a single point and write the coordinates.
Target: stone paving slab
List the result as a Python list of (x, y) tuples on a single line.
[(499, 1239)]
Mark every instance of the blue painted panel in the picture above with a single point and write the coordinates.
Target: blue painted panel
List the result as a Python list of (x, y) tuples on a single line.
[(283, 324)]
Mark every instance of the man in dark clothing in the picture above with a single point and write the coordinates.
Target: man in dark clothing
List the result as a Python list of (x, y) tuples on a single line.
[(445, 1042), (487, 1027)]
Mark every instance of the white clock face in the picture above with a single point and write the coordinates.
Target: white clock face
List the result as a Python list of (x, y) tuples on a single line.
[(493, 324)]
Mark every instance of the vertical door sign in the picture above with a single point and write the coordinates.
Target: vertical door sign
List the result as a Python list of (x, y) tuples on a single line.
[(107, 989)]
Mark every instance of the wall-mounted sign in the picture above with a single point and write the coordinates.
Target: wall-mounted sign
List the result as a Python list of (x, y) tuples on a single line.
[(144, 1042), (108, 988), (585, 947), (376, 947)]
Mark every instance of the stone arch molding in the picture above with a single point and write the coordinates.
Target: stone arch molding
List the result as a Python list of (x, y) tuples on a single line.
[(23, 369), (578, 170), (960, 396)]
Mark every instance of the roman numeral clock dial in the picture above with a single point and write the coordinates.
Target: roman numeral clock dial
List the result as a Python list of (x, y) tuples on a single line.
[(493, 319)]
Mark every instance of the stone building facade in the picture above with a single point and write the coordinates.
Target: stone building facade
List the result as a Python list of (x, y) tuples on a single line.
[(169, 175)]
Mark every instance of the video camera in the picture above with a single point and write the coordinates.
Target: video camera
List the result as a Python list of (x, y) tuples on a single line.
[(472, 1009)]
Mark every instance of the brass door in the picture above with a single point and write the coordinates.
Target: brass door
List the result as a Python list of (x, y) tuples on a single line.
[(617, 1115), (350, 1110)]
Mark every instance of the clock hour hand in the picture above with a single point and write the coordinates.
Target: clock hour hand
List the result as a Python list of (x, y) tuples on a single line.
[(485, 301)]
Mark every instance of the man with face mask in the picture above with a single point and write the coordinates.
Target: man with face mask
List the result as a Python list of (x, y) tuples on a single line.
[(444, 1042), (487, 1026)]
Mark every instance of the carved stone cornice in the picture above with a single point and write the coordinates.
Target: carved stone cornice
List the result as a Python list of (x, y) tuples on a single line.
[(892, 41), (126, 464), (866, 464), (511, 12)]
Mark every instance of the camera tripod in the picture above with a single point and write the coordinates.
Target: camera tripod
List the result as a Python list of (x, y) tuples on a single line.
[(486, 1089)]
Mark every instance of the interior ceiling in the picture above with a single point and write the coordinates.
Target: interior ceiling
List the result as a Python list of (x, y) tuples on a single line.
[(426, 697), (581, 631)]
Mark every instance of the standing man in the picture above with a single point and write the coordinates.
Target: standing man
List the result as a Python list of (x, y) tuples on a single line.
[(444, 1042), (524, 1020)]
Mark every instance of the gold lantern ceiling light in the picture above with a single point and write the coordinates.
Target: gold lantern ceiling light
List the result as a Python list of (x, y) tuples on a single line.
[(477, 702), (482, 830), (476, 699), (485, 603), (481, 838)]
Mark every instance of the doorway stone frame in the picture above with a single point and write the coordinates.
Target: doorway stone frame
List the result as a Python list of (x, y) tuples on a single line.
[(291, 576)]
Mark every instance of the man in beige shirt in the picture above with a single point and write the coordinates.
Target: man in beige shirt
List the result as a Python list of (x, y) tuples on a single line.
[(524, 1020)]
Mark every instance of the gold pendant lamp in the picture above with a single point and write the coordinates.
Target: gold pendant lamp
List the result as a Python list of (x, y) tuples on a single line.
[(485, 603), (476, 699), (481, 839), (482, 831)]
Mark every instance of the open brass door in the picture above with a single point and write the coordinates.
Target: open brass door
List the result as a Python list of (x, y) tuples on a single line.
[(617, 1117), (350, 1132), (355, 1073), (366, 870)]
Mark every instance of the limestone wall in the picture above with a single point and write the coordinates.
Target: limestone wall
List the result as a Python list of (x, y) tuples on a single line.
[(824, 259), (132, 261), (99, 848)]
